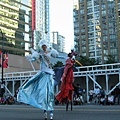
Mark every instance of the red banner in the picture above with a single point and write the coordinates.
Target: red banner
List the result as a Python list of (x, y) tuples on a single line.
[(5, 60)]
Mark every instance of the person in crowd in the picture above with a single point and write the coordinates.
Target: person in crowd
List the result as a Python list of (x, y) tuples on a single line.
[(102, 93), (2, 91), (77, 100), (10, 100), (102, 100), (102, 96), (110, 100), (117, 94), (81, 91), (15, 95), (96, 94), (91, 93), (66, 89), (38, 91)]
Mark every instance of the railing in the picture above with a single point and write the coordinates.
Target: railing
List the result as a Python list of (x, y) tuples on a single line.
[(18, 75), (81, 71), (98, 69), (87, 71)]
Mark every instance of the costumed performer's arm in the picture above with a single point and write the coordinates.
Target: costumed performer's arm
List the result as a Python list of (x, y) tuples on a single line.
[(35, 56), (54, 53)]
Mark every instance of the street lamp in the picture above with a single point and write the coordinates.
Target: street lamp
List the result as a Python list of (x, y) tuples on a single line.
[(2, 55)]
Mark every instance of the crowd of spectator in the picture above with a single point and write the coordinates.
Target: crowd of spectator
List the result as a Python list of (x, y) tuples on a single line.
[(79, 92), (5, 99), (98, 95)]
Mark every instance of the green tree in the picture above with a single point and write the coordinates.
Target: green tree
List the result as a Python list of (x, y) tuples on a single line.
[(86, 61), (58, 64), (110, 59)]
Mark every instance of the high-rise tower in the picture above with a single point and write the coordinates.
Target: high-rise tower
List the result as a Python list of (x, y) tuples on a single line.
[(40, 21), (14, 24), (96, 29)]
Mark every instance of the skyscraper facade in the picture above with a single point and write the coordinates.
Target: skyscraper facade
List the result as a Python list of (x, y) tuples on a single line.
[(58, 41), (40, 21), (96, 29), (14, 25)]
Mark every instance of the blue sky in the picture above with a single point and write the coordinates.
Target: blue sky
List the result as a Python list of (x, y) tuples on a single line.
[(61, 20)]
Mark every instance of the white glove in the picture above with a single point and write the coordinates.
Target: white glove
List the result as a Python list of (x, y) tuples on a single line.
[(28, 57), (34, 54), (54, 53), (73, 58)]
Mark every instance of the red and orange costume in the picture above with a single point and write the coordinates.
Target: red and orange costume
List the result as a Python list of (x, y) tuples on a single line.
[(66, 89)]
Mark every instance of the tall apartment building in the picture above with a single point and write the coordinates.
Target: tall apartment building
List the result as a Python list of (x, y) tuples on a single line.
[(14, 25), (40, 21), (97, 29), (118, 22), (58, 42)]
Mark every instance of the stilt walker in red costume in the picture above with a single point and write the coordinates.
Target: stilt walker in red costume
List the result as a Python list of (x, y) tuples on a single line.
[(66, 88)]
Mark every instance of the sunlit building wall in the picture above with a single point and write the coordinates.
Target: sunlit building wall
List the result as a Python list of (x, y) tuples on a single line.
[(95, 29), (14, 24)]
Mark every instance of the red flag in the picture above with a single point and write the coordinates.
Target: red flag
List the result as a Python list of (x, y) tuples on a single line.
[(0, 59), (5, 60)]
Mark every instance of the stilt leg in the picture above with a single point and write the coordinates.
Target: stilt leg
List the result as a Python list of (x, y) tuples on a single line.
[(71, 106), (45, 114), (51, 115), (67, 104), (71, 100)]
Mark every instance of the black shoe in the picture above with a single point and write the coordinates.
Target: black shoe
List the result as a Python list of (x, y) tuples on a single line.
[(45, 118), (51, 119)]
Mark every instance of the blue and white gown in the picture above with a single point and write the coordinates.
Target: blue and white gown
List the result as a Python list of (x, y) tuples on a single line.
[(39, 90)]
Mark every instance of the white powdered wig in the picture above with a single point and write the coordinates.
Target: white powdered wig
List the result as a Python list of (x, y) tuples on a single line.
[(44, 42)]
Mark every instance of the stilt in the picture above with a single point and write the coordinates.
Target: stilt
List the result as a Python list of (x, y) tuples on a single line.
[(71, 100), (71, 106), (67, 104)]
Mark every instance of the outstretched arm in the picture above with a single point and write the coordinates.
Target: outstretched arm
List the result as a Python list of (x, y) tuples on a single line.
[(34, 56), (54, 53)]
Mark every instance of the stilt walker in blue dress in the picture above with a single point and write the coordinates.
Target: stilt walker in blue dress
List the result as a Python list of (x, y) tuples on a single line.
[(38, 91)]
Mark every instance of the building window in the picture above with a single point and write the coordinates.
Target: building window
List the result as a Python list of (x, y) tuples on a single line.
[(90, 35), (91, 41), (96, 9), (90, 28), (82, 11), (81, 1), (83, 54), (113, 51), (89, 4), (90, 16), (89, 10), (92, 54)]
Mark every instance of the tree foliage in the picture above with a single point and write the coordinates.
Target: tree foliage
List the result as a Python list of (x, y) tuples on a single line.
[(58, 64), (86, 61), (110, 59)]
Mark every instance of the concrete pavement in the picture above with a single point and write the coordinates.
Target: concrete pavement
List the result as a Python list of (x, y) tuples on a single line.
[(83, 112)]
